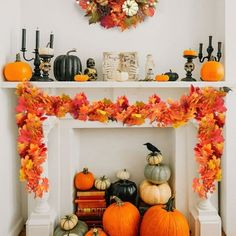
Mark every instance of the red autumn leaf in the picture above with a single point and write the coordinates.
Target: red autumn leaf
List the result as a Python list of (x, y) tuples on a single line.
[(107, 22)]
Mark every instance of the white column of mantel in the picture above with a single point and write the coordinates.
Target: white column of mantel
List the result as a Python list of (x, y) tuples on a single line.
[(41, 220), (228, 192), (204, 218)]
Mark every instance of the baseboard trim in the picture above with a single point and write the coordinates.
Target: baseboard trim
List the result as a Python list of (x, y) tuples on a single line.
[(17, 227)]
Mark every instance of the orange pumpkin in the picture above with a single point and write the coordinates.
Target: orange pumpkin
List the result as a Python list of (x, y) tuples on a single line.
[(162, 77), (17, 71), (84, 180), (212, 71), (81, 78), (121, 218), (96, 232), (162, 220)]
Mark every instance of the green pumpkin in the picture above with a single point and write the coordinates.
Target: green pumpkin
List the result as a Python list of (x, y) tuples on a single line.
[(157, 174), (67, 66), (79, 230), (173, 76)]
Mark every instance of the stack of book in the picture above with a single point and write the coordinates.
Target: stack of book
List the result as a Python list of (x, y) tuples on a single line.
[(91, 206)]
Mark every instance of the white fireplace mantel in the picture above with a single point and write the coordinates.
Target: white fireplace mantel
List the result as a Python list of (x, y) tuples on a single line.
[(64, 153)]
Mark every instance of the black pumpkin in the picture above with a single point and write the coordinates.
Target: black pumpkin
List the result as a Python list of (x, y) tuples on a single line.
[(67, 66), (172, 75), (126, 190)]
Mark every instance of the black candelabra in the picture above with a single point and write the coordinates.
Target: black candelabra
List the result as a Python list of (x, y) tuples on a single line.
[(210, 50), (37, 76)]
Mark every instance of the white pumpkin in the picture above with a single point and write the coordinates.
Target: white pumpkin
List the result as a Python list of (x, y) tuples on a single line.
[(68, 222), (153, 194), (154, 159), (123, 174), (130, 7), (102, 183)]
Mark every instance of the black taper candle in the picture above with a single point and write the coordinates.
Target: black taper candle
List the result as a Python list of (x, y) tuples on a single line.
[(51, 40), (219, 46), (200, 48), (210, 41), (37, 39), (23, 45)]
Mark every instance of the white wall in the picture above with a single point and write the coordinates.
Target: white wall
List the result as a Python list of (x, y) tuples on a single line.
[(10, 203), (177, 25)]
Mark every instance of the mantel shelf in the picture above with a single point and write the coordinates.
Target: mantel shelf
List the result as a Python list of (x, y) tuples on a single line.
[(130, 84)]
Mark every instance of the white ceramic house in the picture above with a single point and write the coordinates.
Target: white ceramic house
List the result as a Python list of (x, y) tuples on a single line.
[(177, 25)]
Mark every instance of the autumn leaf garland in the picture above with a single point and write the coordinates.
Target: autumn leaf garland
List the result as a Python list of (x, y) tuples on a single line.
[(206, 105), (123, 14)]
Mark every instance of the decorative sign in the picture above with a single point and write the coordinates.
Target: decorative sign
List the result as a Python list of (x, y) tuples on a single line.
[(205, 105), (114, 63), (118, 13)]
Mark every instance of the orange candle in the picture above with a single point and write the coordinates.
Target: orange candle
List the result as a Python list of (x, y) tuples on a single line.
[(190, 52)]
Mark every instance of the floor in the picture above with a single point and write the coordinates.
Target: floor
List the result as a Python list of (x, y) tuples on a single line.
[(23, 233)]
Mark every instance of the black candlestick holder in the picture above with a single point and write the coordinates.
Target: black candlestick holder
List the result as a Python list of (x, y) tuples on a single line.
[(37, 76), (37, 71), (210, 50), (189, 68)]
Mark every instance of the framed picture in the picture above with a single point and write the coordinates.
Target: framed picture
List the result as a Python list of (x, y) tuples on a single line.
[(114, 62)]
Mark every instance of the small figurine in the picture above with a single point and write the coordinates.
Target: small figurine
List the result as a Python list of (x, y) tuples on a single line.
[(149, 68), (91, 71)]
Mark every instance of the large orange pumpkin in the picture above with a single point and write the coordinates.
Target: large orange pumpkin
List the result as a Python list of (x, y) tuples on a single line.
[(17, 71), (84, 180), (162, 220), (212, 71), (96, 232), (121, 219)]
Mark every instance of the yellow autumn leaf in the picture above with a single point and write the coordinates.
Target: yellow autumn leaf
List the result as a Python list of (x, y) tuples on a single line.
[(211, 164), (219, 175), (101, 112), (178, 124), (22, 176), (138, 116)]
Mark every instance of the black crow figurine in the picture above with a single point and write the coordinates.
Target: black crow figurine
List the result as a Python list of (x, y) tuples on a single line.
[(152, 148)]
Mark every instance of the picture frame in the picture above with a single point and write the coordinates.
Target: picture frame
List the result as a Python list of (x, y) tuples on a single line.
[(114, 62)]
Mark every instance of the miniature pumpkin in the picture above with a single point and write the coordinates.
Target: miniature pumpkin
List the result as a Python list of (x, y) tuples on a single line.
[(164, 221), (84, 180), (172, 75), (154, 194), (17, 71), (96, 232), (79, 230), (81, 78), (67, 66), (154, 159), (212, 71), (68, 222), (162, 77), (157, 174), (102, 183), (130, 7), (121, 218), (123, 174)]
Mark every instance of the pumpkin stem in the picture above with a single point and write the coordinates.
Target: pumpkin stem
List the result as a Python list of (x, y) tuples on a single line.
[(72, 50), (170, 70), (169, 205), (95, 232), (119, 202), (18, 57), (85, 170), (104, 177)]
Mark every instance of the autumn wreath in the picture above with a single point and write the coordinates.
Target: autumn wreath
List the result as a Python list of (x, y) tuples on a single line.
[(118, 13)]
